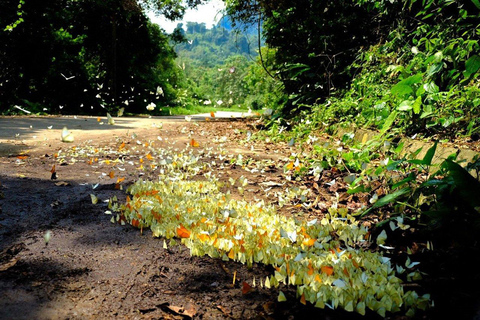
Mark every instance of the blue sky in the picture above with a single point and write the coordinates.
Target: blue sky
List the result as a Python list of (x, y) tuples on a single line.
[(208, 13)]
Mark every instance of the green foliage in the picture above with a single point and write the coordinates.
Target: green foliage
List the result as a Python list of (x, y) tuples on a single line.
[(428, 78), (220, 70), (20, 13), (263, 91), (425, 82), (403, 188), (316, 42), (86, 56)]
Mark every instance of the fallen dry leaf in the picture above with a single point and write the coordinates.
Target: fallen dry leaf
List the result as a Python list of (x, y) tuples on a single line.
[(189, 311), (269, 307), (8, 265), (224, 310)]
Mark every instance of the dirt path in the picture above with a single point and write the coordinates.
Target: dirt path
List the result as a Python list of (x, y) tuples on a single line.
[(94, 269)]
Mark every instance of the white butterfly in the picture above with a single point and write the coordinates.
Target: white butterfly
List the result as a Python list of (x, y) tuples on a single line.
[(47, 236), (67, 78), (159, 91), (110, 119), (292, 236), (20, 108), (67, 136)]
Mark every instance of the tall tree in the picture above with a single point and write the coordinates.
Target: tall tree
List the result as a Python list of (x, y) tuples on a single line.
[(316, 40), (66, 55)]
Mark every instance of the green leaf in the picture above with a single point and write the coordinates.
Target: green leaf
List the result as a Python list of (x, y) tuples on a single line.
[(433, 182), (401, 90), (426, 114), (399, 148), (393, 165), (297, 69), (434, 68), (417, 105), (431, 87), (472, 66), (420, 91), (417, 78), (427, 159), (388, 122), (360, 188), (468, 187), (476, 3), (410, 177), (389, 198), (405, 87), (416, 152), (405, 105)]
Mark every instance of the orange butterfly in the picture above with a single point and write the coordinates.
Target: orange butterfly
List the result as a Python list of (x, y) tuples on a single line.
[(182, 232), (246, 288), (194, 143), (327, 270)]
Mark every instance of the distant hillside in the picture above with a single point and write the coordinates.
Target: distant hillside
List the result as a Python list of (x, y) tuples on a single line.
[(212, 47), (216, 63), (226, 23)]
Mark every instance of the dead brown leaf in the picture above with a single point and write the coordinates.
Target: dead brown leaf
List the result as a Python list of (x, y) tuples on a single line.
[(189, 311), (224, 310), (269, 307), (7, 265)]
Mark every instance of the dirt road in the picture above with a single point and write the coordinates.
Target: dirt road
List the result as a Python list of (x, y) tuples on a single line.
[(62, 258)]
